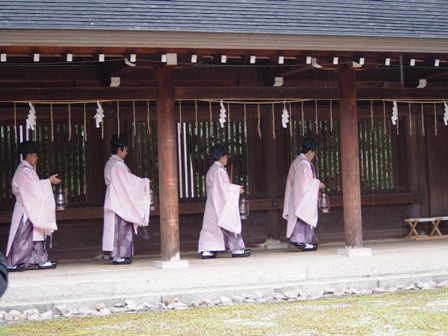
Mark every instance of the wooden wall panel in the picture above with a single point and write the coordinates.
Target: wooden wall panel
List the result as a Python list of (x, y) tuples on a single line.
[(437, 160)]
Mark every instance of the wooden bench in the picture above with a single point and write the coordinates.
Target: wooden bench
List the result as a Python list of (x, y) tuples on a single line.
[(435, 233)]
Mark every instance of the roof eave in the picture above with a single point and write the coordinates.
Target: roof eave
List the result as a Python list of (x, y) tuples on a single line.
[(224, 41)]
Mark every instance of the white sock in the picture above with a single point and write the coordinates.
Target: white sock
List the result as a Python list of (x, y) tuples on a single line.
[(238, 252), (307, 246), (207, 254), (48, 263), (118, 259)]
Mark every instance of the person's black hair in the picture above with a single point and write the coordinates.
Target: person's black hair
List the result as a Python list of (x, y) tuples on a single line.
[(307, 145), (27, 147), (117, 142), (217, 152)]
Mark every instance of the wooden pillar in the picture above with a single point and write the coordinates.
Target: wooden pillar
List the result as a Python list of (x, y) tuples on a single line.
[(351, 186), (168, 180), (273, 168)]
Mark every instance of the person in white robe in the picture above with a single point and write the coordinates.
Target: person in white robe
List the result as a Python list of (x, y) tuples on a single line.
[(34, 215), (300, 207), (221, 226), (126, 205)]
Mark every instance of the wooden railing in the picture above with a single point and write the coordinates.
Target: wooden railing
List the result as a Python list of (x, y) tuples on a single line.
[(255, 205)]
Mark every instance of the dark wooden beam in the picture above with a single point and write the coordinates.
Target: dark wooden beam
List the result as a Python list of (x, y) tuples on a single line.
[(77, 94), (216, 93), (275, 93), (84, 213), (254, 93)]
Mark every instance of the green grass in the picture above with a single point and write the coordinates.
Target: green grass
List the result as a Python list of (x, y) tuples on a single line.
[(400, 313)]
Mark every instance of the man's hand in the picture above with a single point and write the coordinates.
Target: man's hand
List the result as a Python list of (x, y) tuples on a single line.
[(54, 180)]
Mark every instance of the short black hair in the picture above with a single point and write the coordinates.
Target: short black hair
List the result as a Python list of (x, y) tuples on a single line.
[(217, 152), (27, 147), (307, 145), (118, 141)]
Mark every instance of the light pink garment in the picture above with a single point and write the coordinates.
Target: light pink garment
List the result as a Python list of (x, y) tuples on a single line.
[(221, 209), (127, 196), (301, 194), (35, 201)]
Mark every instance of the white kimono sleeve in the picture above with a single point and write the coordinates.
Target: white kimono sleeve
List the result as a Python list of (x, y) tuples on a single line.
[(225, 198), (128, 196), (38, 200), (306, 191)]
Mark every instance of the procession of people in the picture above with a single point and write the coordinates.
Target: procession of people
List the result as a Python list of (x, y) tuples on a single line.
[(127, 208)]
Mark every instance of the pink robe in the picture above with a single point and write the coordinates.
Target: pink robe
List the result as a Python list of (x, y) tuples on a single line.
[(301, 194), (127, 196), (34, 201), (221, 209)]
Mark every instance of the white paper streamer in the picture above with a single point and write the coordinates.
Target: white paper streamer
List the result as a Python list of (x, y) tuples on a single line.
[(31, 119), (285, 116), (394, 117), (99, 116), (222, 114)]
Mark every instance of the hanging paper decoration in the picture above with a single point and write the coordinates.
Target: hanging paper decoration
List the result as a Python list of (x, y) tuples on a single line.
[(31, 119), (445, 115), (285, 116), (394, 117), (273, 121), (317, 121), (99, 116), (371, 114), (384, 117), (222, 114)]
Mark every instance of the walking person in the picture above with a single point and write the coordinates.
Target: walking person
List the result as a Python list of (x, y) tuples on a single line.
[(300, 207), (126, 205), (34, 215), (221, 226)]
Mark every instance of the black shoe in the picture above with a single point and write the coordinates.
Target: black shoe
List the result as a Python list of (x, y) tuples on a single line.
[(213, 256), (52, 265), (299, 246), (242, 255), (124, 261), (16, 268)]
